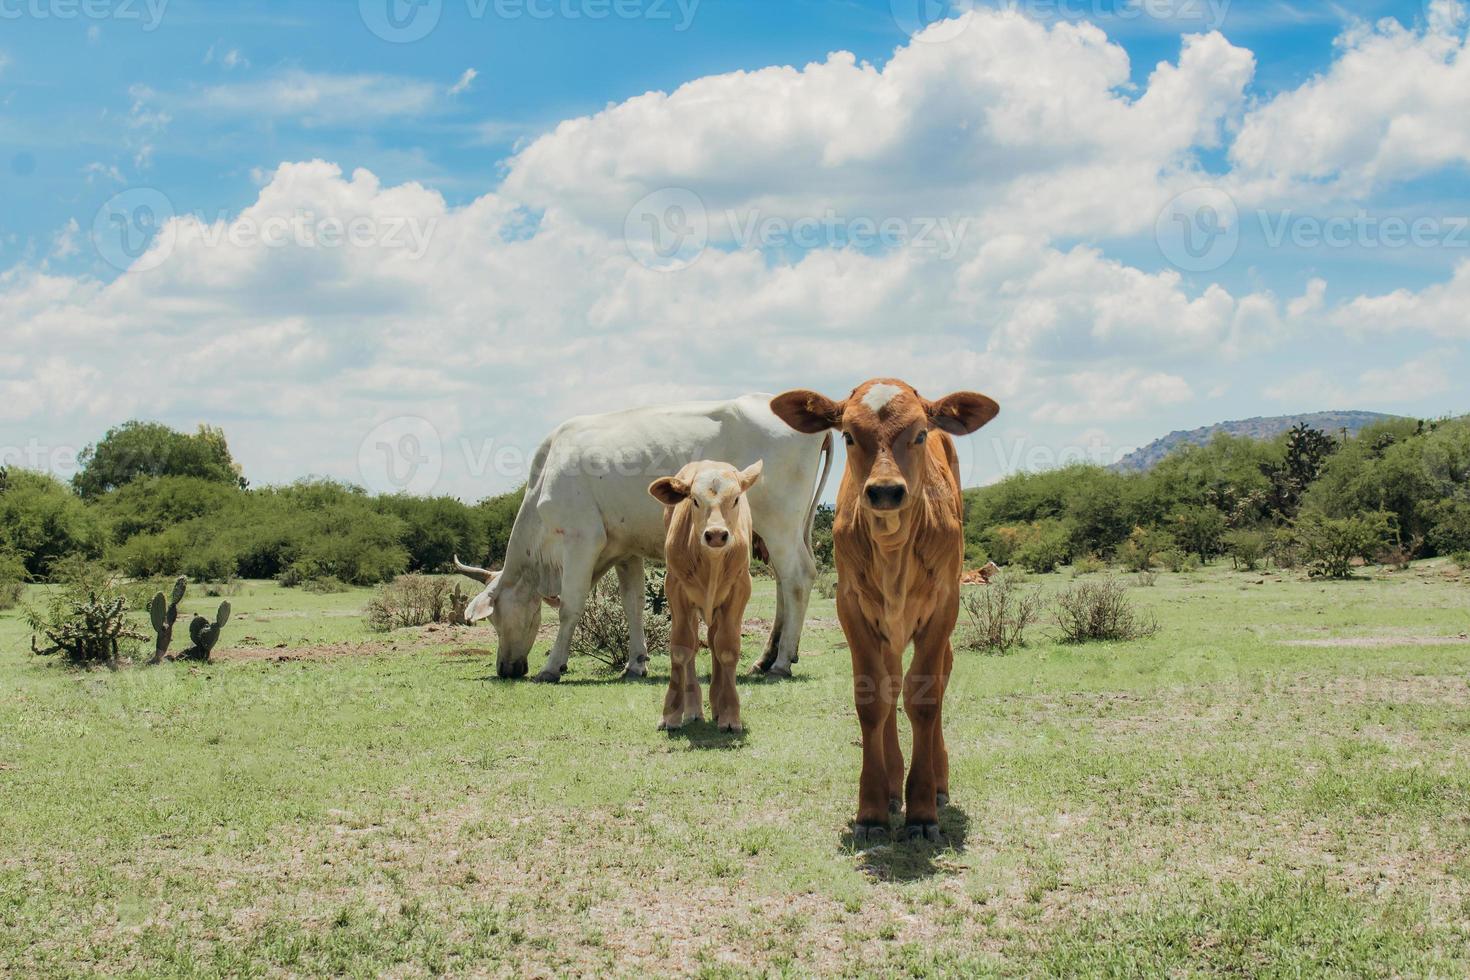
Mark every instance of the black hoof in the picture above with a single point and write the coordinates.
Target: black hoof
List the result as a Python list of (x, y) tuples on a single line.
[(760, 666), (895, 805), (548, 677), (941, 799), (927, 832), (512, 670), (781, 673), (869, 834)]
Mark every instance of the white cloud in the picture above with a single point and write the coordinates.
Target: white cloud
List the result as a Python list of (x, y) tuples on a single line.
[(1410, 381), (1108, 395), (1021, 122), (319, 98), (1393, 105), (64, 245), (464, 83), (1440, 309)]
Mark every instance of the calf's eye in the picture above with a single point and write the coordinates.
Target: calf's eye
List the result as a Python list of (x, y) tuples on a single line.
[(847, 438), (921, 437)]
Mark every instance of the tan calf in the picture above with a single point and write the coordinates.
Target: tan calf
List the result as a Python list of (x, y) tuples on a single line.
[(898, 541), (707, 542)]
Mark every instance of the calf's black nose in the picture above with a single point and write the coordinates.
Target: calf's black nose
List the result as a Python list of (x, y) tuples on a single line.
[(886, 496), (715, 538)]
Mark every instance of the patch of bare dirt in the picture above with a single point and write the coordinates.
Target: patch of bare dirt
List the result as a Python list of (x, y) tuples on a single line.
[(1378, 641)]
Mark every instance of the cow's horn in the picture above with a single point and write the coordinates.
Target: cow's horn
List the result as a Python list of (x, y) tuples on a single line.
[(483, 574)]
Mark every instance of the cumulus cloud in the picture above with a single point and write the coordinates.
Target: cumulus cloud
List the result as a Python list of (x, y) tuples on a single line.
[(333, 302), (1392, 106), (1108, 395), (964, 126)]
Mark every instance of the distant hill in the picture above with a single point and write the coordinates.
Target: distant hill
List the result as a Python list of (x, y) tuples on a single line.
[(1259, 428)]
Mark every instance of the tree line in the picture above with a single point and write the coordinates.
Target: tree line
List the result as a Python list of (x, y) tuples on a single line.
[(151, 501), (1398, 490)]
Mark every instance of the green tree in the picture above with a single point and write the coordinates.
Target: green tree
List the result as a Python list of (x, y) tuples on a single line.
[(142, 449), (42, 521)]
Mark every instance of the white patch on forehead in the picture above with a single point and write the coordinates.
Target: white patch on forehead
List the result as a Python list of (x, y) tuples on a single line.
[(710, 482), (878, 397)]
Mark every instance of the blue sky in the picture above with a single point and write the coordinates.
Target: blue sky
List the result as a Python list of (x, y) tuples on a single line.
[(1026, 161)]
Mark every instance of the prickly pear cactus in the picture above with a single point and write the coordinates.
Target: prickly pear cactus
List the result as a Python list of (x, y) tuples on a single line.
[(205, 634), (163, 612)]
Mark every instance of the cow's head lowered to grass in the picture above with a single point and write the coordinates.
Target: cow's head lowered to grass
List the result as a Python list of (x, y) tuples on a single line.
[(885, 424), (515, 616)]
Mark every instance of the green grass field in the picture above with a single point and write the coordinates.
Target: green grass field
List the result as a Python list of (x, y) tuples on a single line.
[(1277, 783)]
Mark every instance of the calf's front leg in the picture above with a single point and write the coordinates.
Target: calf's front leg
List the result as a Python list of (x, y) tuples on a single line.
[(682, 699), (724, 644)]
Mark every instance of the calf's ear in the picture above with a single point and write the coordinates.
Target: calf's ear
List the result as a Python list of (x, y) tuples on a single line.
[(963, 412), (807, 411), (669, 490), (750, 474)]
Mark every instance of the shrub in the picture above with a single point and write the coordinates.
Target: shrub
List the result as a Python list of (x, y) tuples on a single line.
[(1146, 579), (1100, 611), (85, 619), (326, 585), (1394, 555), (1284, 548), (12, 579), (1246, 549), (1172, 559), (826, 584), (410, 600), (1330, 545), (998, 615), (1089, 565), (1143, 548), (602, 633), (1462, 560), (1042, 546), (1199, 529)]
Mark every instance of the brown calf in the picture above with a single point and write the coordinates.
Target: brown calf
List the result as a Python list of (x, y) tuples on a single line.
[(898, 539), (707, 543)]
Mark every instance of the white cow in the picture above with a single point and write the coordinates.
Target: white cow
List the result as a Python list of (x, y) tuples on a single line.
[(587, 509)]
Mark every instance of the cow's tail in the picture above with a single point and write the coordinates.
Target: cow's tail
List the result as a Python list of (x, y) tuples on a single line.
[(811, 512)]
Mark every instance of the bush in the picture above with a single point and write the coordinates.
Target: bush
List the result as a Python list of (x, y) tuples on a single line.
[(1089, 565), (602, 633), (1330, 545), (1038, 547), (85, 619), (1143, 548), (1285, 548), (1146, 579), (43, 521), (1246, 549), (410, 600), (998, 615), (1100, 611), (1172, 559), (1461, 560), (1199, 529), (12, 579), (825, 584), (326, 585)]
